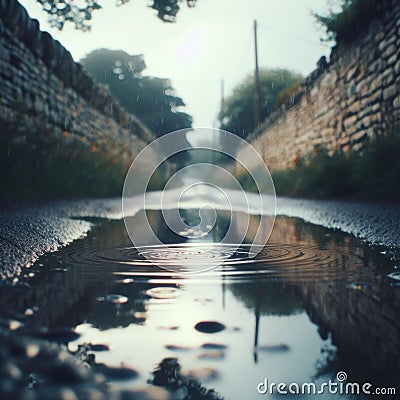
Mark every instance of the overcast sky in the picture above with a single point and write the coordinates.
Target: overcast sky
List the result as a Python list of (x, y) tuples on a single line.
[(210, 42)]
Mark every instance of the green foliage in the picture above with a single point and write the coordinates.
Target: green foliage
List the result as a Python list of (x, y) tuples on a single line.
[(36, 165), (371, 174), (238, 114), (151, 99), (353, 18), (79, 13)]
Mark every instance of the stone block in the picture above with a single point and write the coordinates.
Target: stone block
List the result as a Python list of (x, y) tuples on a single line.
[(392, 49), (350, 121), (397, 67), (392, 59), (396, 102), (389, 92)]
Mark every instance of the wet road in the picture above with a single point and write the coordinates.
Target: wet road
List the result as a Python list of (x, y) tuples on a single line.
[(29, 232)]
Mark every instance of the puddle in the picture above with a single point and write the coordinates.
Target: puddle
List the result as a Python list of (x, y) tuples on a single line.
[(312, 303)]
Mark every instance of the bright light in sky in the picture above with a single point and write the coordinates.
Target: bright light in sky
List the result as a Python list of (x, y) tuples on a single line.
[(190, 48), (208, 43)]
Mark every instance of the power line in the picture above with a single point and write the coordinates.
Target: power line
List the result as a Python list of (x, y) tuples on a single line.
[(296, 38)]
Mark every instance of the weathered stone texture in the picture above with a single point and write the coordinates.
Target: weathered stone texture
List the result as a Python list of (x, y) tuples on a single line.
[(355, 99), (40, 80)]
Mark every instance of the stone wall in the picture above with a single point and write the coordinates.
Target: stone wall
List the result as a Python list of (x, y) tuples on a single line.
[(41, 84), (344, 103)]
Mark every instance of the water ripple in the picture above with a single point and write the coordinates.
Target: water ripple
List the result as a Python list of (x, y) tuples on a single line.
[(300, 260)]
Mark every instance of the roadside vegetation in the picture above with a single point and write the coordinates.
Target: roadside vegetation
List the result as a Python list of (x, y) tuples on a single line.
[(351, 19), (372, 173), (43, 163), (43, 166)]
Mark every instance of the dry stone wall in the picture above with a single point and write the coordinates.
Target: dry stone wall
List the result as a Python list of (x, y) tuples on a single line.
[(344, 103), (41, 84)]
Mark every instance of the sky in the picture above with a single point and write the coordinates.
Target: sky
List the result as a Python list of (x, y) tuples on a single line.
[(207, 44)]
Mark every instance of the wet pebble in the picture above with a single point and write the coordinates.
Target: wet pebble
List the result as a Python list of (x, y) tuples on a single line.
[(116, 299), (209, 327), (66, 394), (142, 315), (162, 293), (169, 328), (173, 347), (9, 370), (212, 355), (28, 312), (275, 347), (126, 281), (10, 324), (214, 346)]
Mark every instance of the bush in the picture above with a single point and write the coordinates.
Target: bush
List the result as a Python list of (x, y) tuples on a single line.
[(352, 20), (372, 173), (39, 165)]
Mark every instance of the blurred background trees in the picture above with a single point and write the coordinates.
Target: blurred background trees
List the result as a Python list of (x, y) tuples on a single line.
[(238, 113), (151, 99)]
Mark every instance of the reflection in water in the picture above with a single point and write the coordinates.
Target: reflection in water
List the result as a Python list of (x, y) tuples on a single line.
[(313, 302), (168, 375)]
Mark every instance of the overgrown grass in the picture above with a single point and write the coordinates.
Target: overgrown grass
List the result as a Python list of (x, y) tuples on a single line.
[(36, 164), (372, 173)]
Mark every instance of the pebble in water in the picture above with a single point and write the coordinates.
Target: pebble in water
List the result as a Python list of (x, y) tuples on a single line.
[(10, 324), (169, 328), (116, 299), (142, 315), (212, 355), (214, 346), (275, 347), (209, 327), (162, 293), (126, 281), (174, 347)]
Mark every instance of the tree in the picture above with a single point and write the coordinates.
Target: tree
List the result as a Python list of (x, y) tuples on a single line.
[(352, 18), (151, 99), (238, 114), (62, 11)]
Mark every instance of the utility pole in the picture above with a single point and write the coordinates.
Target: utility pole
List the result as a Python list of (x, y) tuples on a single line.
[(257, 105)]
